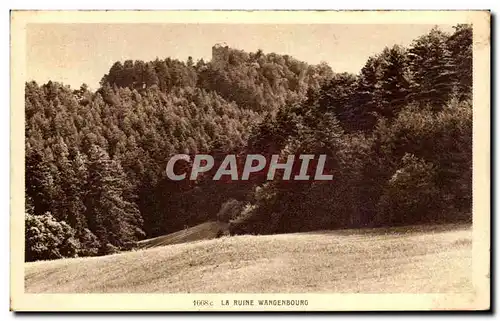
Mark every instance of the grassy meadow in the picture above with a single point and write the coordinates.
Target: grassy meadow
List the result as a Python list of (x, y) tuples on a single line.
[(418, 259)]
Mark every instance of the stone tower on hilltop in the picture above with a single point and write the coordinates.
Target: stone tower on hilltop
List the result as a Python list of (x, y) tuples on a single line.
[(220, 55)]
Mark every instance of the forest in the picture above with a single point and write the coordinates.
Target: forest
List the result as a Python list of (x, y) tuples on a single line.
[(397, 135)]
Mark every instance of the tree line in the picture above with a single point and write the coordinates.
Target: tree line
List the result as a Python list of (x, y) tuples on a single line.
[(398, 137)]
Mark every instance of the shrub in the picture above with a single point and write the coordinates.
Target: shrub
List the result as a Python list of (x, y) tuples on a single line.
[(411, 195), (109, 249), (48, 239), (229, 210), (89, 243)]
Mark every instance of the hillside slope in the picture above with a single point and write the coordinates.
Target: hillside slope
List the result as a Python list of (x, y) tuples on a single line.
[(379, 260), (204, 231)]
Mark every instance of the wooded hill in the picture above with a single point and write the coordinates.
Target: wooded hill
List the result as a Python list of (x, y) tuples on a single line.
[(398, 137)]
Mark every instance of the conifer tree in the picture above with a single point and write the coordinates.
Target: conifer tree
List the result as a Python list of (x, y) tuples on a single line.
[(431, 65)]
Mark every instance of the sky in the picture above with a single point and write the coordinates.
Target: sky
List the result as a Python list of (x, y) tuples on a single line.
[(82, 53)]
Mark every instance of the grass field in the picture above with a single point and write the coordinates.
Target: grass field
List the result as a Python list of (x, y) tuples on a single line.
[(417, 259)]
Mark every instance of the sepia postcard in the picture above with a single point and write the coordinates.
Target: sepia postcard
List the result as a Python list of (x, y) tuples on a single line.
[(250, 161)]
